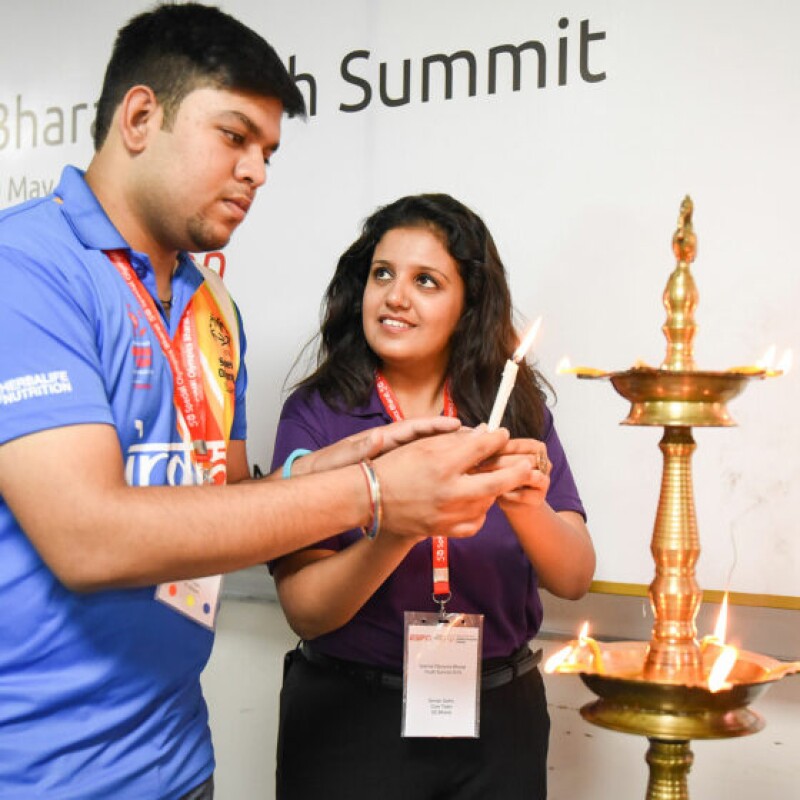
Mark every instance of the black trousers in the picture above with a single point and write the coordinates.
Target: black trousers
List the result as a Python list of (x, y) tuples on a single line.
[(205, 791), (339, 738)]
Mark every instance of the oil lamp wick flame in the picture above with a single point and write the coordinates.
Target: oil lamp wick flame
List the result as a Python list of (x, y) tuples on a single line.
[(721, 628), (585, 640), (722, 668)]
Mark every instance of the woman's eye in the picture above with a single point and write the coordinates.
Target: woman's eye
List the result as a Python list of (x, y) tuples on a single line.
[(381, 274), (427, 281)]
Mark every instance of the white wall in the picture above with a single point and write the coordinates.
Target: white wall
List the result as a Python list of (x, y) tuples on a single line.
[(579, 179)]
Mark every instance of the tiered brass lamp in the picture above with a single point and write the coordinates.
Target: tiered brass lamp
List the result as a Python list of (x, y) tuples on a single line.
[(661, 689)]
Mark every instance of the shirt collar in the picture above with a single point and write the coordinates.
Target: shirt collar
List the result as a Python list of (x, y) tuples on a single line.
[(84, 213), (372, 408), (96, 231)]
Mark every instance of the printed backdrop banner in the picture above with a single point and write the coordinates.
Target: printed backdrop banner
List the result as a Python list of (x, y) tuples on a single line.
[(575, 129)]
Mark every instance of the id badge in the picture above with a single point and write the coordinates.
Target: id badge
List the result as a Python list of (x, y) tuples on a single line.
[(197, 598), (441, 674)]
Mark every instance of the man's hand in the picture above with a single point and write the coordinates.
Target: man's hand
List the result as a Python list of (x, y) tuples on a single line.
[(436, 486), (373, 443)]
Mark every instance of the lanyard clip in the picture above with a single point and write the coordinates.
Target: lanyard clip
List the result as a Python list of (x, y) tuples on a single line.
[(202, 461), (442, 601)]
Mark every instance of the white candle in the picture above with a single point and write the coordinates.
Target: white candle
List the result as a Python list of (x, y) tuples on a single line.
[(510, 376), (510, 371)]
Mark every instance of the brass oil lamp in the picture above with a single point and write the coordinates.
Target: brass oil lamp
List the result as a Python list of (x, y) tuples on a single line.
[(665, 689)]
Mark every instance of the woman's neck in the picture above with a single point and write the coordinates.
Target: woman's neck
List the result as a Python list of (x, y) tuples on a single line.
[(418, 395)]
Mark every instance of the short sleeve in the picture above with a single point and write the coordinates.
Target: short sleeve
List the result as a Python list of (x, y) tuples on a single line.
[(302, 426), (563, 492), (50, 369)]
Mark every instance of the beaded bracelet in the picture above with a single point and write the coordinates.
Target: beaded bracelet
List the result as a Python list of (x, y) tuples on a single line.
[(376, 507), (293, 456)]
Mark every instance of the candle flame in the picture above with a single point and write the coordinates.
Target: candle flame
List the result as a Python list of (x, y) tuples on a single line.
[(584, 632), (721, 628), (527, 341), (717, 678)]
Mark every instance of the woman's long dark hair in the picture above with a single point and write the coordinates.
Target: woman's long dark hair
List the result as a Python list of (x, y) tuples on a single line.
[(482, 341)]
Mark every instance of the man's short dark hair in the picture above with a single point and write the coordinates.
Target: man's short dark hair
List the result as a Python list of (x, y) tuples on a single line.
[(179, 47)]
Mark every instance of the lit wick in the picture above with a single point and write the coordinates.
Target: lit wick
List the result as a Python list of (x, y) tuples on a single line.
[(585, 640), (766, 367), (720, 629), (510, 376), (564, 367), (569, 658), (723, 666)]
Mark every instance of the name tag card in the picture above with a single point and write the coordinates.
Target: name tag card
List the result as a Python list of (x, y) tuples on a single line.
[(441, 675), (197, 599)]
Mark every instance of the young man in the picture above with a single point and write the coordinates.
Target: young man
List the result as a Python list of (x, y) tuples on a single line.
[(122, 385)]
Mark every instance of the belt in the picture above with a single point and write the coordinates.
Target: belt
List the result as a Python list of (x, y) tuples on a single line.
[(493, 675)]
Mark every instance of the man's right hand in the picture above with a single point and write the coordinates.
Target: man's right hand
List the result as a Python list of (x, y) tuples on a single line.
[(429, 487)]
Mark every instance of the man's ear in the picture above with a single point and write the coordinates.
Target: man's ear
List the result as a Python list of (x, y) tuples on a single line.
[(138, 117)]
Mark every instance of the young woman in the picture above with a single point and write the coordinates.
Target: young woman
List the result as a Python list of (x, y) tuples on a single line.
[(418, 322)]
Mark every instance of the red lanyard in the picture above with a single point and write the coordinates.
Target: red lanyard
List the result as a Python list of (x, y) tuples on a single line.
[(184, 361), (439, 548)]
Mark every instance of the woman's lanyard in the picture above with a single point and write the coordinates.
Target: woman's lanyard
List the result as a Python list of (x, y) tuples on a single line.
[(439, 547), (184, 361)]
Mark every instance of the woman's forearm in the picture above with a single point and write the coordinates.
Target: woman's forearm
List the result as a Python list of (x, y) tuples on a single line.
[(321, 590), (558, 545)]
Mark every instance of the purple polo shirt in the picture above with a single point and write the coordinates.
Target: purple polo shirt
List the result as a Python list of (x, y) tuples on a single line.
[(489, 572)]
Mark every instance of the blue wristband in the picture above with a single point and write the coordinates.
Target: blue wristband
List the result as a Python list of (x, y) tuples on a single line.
[(287, 465)]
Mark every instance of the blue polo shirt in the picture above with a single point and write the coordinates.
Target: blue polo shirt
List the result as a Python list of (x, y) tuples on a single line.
[(489, 572), (99, 693)]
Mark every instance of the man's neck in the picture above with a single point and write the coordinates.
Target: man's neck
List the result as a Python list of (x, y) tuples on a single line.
[(112, 197)]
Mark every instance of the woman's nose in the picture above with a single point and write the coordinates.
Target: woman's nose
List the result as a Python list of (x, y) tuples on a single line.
[(397, 296)]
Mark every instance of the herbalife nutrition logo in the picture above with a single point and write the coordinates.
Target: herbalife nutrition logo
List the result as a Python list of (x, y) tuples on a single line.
[(40, 384)]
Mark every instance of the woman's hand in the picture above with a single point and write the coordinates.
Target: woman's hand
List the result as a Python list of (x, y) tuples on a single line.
[(557, 543), (533, 492)]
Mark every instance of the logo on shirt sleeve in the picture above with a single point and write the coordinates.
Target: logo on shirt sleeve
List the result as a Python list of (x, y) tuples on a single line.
[(39, 384)]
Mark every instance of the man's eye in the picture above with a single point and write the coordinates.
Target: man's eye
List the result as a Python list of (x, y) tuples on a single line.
[(234, 137)]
